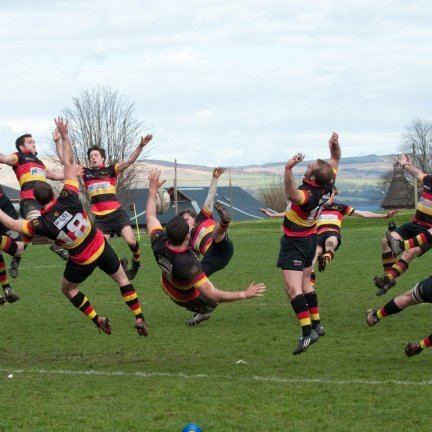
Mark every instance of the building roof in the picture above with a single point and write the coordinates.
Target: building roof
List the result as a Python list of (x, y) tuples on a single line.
[(242, 204), (400, 193), (11, 193)]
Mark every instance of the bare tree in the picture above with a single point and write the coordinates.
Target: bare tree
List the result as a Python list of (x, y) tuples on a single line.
[(417, 141), (103, 117), (273, 195)]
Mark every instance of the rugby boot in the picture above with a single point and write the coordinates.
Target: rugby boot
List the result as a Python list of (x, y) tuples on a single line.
[(223, 213), (198, 318), (383, 283), (412, 349), (13, 267), (394, 244), (2, 300), (302, 345), (104, 324), (319, 329), (134, 269), (322, 262), (371, 317), (62, 253), (141, 327), (10, 295)]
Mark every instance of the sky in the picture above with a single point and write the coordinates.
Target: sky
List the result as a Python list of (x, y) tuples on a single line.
[(224, 82)]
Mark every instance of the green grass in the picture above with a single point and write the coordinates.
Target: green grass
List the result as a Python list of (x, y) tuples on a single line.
[(179, 374)]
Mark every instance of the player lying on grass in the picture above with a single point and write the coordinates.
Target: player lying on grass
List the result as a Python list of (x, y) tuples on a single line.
[(299, 242), (100, 182), (30, 171), (183, 278), (65, 221), (208, 237), (329, 224), (420, 223), (421, 293)]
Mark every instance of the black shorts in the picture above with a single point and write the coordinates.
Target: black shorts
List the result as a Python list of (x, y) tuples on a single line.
[(7, 206), (112, 223), (296, 253), (217, 256), (199, 305), (29, 205), (108, 262), (322, 238), (422, 291), (410, 230)]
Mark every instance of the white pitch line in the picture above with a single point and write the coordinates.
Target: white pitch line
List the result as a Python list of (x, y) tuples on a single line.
[(277, 380)]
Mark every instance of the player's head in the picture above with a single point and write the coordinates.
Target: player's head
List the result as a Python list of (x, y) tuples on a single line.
[(189, 216), (96, 156), (43, 193), (320, 172), (26, 143), (177, 230)]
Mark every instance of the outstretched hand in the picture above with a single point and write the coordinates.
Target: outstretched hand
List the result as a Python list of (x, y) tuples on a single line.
[(145, 140), (217, 172), (62, 127), (391, 213), (334, 140), (56, 135), (255, 290), (295, 160), (403, 159), (154, 179), (266, 212)]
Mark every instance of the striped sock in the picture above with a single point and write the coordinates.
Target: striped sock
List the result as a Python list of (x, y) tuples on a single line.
[(388, 309), (301, 309), (8, 245), (388, 259), (3, 275), (136, 252), (397, 269), (426, 342), (328, 256), (312, 301), (130, 297), (419, 240), (81, 302)]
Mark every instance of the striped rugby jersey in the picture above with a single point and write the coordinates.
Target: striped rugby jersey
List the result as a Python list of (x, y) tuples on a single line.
[(201, 236), (423, 214), (301, 219), (182, 275), (332, 216), (100, 184), (29, 171), (66, 222)]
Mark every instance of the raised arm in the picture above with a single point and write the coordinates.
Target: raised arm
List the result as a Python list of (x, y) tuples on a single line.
[(58, 144), (372, 215), (406, 163), (335, 150), (154, 184), (272, 214), (121, 166), (10, 159), (211, 196), (291, 191), (216, 295), (71, 170)]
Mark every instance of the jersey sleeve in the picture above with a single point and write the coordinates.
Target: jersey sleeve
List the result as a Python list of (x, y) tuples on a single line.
[(203, 215), (347, 210), (305, 196), (115, 169), (191, 270), (158, 238), (70, 192), (33, 227)]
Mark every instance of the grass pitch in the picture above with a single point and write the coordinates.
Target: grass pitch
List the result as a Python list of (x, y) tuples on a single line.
[(233, 373)]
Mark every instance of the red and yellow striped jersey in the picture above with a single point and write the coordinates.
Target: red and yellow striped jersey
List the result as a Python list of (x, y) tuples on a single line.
[(101, 186), (29, 171), (423, 214), (66, 222), (201, 236), (300, 219), (332, 216), (182, 275)]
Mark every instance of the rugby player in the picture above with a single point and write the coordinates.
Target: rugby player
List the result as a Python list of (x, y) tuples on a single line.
[(420, 293), (30, 171), (299, 241), (183, 278), (110, 218), (208, 237), (420, 223), (64, 220)]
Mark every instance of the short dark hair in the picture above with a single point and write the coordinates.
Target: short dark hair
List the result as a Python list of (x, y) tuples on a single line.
[(97, 148), (43, 193), (323, 173), (190, 211), (177, 229), (21, 140)]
